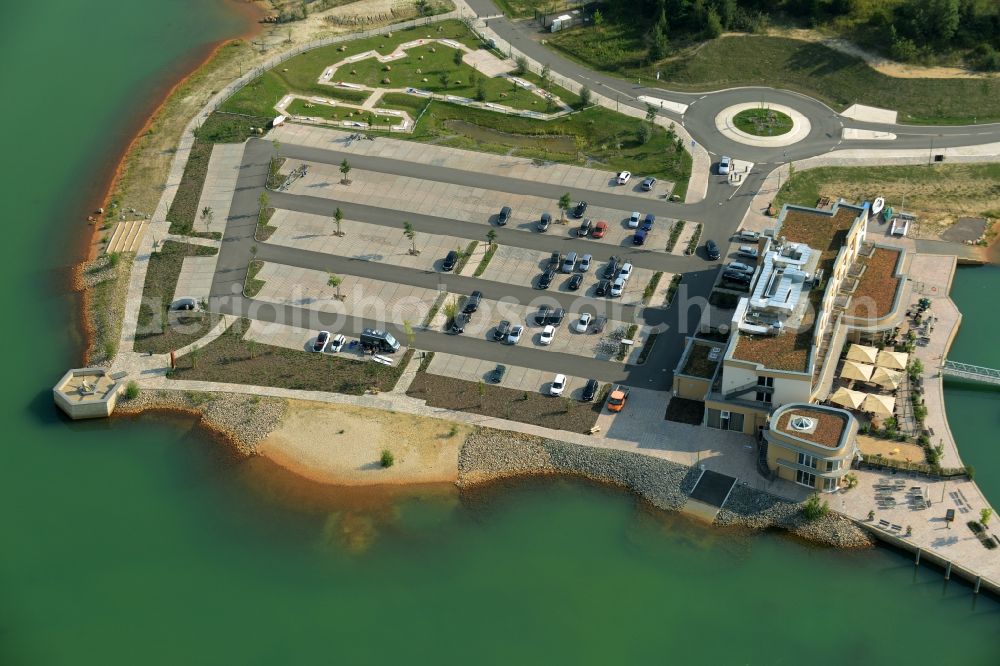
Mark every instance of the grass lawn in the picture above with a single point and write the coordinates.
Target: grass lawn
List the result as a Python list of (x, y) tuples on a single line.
[(763, 122), (218, 128), (170, 332), (497, 401), (937, 194), (600, 138), (302, 108), (230, 358), (816, 70), (301, 74)]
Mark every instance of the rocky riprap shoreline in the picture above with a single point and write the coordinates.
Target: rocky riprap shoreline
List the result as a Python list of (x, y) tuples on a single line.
[(243, 419), (747, 507), (490, 455)]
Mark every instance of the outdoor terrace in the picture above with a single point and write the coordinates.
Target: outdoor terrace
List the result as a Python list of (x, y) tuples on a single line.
[(819, 229), (829, 426)]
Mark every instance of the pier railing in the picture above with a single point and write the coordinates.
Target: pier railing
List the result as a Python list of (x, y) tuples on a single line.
[(975, 373)]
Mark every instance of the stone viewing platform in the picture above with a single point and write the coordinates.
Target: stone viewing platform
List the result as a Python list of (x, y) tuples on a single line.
[(89, 393)]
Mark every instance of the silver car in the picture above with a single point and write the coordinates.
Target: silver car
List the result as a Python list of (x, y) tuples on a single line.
[(584, 264)]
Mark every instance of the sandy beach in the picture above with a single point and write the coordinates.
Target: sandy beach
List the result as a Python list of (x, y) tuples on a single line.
[(342, 445)]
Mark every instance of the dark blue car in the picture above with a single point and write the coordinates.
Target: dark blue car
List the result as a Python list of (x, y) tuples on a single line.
[(647, 223), (640, 237)]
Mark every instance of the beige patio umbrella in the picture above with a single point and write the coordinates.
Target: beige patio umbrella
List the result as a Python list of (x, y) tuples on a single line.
[(845, 397), (892, 359), (879, 405), (887, 377), (854, 370), (862, 354)]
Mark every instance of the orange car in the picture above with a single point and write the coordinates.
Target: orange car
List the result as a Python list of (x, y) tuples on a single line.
[(600, 229), (617, 398)]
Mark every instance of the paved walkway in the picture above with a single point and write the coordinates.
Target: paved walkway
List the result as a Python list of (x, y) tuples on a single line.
[(220, 181)]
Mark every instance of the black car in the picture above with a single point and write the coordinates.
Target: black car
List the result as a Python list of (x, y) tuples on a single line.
[(546, 278), (504, 217), (449, 261), (548, 315), (648, 184), (611, 268), (575, 282), (555, 260), (321, 339), (738, 277), (590, 390), (603, 288), (498, 372), (472, 302), (458, 324), (599, 324), (712, 250), (501, 331), (585, 227), (545, 222), (580, 209)]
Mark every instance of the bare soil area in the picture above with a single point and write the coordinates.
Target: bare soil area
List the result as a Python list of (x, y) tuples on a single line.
[(338, 444)]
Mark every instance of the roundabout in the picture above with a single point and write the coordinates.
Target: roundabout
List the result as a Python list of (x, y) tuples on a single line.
[(765, 125)]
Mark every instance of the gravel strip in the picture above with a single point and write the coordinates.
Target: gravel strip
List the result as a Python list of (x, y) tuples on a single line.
[(488, 455), (243, 419)]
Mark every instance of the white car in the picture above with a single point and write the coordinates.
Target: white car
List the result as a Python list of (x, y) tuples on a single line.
[(337, 343), (618, 286), (583, 323), (514, 336), (625, 272), (624, 176), (558, 384), (725, 164), (548, 333), (633, 220)]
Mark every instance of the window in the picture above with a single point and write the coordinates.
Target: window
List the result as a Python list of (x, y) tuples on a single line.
[(805, 478), (830, 485), (765, 381), (764, 397), (712, 418), (807, 461), (833, 465)]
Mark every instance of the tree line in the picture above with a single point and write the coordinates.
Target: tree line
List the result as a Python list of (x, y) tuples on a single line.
[(906, 30)]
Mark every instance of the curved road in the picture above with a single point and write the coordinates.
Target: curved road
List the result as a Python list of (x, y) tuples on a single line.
[(703, 107)]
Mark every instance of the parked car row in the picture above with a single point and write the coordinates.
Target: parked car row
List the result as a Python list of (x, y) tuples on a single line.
[(371, 341)]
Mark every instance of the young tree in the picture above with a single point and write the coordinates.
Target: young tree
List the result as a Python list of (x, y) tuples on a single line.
[(585, 96), (713, 24), (491, 237), (520, 65), (338, 217), (644, 133), (546, 75), (450, 308), (411, 235), (408, 330), (252, 348), (443, 78), (564, 203), (650, 113), (480, 90), (422, 6), (387, 459), (985, 515), (277, 147), (598, 20), (334, 281), (345, 168), (262, 200), (194, 354), (457, 58), (207, 214)]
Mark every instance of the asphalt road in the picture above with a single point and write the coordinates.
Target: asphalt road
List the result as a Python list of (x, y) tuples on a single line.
[(699, 119)]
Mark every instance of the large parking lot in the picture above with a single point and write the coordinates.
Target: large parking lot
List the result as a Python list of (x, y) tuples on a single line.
[(459, 202)]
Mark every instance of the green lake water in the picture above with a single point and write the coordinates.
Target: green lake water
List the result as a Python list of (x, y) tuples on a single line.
[(146, 542)]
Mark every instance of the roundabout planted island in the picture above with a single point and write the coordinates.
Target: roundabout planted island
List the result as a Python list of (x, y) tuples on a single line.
[(763, 121)]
